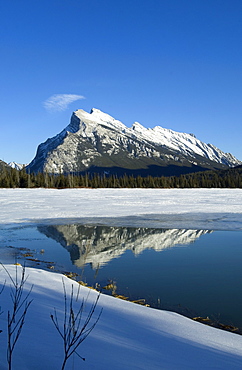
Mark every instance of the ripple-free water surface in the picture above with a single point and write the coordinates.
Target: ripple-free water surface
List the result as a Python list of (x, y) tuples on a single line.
[(194, 272)]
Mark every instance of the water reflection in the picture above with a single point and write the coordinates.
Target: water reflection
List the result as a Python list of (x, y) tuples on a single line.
[(98, 245)]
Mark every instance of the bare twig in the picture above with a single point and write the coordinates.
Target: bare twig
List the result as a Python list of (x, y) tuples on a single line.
[(74, 331), (16, 317), (1, 293)]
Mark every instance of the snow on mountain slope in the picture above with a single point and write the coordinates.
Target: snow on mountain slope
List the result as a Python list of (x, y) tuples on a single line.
[(97, 139)]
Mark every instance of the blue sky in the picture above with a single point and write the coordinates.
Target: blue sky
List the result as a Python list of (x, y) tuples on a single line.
[(176, 63)]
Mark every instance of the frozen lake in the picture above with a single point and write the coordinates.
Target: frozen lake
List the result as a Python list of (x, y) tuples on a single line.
[(193, 272)]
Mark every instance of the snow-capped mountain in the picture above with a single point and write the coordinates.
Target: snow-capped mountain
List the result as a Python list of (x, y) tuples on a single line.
[(17, 166), (97, 245), (96, 142)]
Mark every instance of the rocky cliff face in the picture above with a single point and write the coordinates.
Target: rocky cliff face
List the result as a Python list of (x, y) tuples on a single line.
[(97, 142)]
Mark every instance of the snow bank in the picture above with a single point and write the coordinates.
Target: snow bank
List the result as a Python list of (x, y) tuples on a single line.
[(127, 336)]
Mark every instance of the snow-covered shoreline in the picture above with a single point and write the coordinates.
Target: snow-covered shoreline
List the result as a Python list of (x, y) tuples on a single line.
[(127, 336)]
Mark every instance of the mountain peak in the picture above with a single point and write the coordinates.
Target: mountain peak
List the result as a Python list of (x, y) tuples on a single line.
[(99, 117), (138, 127), (96, 111), (17, 166)]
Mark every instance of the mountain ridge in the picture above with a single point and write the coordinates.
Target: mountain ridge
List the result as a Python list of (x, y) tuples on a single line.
[(97, 142)]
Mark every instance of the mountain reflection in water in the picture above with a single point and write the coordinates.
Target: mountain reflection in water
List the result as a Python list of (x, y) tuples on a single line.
[(98, 245)]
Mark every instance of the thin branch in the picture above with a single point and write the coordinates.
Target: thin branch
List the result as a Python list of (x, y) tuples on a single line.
[(74, 332), (16, 318)]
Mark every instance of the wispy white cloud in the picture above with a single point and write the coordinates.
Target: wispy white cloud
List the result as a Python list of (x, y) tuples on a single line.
[(59, 102)]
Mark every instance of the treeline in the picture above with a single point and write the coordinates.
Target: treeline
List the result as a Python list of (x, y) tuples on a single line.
[(12, 178)]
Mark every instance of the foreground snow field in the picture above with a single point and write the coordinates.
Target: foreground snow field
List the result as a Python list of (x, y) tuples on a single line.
[(127, 336)]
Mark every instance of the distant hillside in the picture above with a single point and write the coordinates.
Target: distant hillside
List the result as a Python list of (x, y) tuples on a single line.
[(3, 165), (229, 178)]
